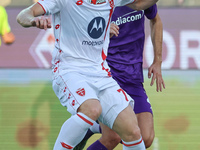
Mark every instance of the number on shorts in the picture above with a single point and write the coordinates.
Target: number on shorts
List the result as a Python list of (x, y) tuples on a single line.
[(120, 90)]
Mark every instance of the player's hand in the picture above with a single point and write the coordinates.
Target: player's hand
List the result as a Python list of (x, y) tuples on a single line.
[(42, 22), (114, 30), (8, 38), (155, 69)]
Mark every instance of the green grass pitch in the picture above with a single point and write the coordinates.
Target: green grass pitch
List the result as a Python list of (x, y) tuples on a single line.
[(31, 115)]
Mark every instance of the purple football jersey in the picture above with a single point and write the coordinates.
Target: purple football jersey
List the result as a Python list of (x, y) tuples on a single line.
[(127, 49)]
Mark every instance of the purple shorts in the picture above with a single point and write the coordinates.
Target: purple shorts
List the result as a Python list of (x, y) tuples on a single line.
[(130, 78), (138, 93)]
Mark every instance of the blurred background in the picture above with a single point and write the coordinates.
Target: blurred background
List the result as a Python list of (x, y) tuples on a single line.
[(31, 114)]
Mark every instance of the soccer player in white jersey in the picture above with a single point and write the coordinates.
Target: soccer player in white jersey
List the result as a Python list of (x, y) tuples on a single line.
[(81, 77)]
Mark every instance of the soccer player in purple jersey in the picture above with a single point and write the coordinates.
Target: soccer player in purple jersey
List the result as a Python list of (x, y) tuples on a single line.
[(125, 58)]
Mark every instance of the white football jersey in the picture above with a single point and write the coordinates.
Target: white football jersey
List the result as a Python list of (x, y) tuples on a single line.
[(81, 30)]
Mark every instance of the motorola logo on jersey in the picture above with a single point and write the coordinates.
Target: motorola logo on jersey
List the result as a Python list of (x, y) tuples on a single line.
[(95, 30), (96, 27)]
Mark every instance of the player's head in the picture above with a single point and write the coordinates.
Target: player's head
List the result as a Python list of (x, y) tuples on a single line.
[(5, 3)]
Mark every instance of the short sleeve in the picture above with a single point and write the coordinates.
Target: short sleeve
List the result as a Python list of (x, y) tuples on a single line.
[(52, 6), (151, 12), (123, 2)]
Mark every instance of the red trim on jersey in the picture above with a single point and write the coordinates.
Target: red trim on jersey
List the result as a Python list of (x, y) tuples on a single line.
[(103, 55), (57, 57), (94, 1), (42, 7), (107, 70), (128, 145), (84, 119), (70, 93), (110, 15)]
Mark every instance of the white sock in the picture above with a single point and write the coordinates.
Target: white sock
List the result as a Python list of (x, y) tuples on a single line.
[(134, 145), (95, 128), (73, 131)]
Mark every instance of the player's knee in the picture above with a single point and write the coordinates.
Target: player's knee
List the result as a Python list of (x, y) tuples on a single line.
[(95, 112), (91, 108), (148, 140), (136, 133), (132, 135)]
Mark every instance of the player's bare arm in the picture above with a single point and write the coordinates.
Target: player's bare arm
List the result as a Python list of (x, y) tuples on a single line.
[(114, 30), (157, 38), (142, 4), (32, 16)]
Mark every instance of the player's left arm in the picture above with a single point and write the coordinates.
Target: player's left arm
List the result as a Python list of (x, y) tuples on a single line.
[(114, 30), (157, 38)]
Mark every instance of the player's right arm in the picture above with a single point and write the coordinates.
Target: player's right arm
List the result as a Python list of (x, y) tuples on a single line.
[(33, 16)]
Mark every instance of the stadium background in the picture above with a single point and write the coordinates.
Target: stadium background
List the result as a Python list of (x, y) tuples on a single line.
[(31, 115)]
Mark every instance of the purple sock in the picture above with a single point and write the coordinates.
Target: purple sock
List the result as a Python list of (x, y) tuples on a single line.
[(97, 146), (88, 134), (99, 129)]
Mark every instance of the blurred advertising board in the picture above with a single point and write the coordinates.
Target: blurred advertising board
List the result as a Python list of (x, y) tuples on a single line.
[(181, 42)]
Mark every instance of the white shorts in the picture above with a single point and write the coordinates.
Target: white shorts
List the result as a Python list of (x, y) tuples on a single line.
[(73, 89)]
